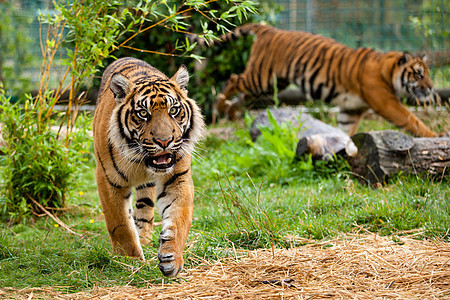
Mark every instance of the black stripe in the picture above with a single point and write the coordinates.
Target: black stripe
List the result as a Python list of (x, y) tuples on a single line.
[(306, 53), (309, 50), (146, 92), (355, 65), (119, 114), (402, 76), (174, 177), (165, 208), (169, 182), (302, 86), (259, 74), (142, 220), (106, 175), (179, 158), (252, 83), (114, 230), (330, 62), (343, 53), (299, 70), (163, 194), (316, 92), (346, 65), (128, 195), (122, 68), (110, 147), (145, 185), (241, 82), (362, 64), (331, 93), (187, 133), (121, 127), (292, 64), (146, 201)]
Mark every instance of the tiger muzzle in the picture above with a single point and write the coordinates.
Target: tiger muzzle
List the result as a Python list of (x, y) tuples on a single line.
[(161, 161)]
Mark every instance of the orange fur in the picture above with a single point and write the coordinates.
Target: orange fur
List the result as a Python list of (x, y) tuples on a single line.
[(353, 79), (145, 128)]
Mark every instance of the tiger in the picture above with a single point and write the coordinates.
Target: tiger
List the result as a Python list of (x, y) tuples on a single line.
[(352, 79), (145, 128)]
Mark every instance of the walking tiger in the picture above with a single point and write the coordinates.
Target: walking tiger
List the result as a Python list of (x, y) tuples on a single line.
[(352, 79), (145, 128)]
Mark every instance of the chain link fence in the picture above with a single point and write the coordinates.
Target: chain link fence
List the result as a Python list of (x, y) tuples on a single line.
[(404, 25)]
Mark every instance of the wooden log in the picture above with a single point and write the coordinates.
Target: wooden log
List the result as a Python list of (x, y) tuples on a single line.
[(383, 154)]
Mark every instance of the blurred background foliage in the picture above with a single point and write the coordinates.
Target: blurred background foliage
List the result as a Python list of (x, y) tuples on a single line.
[(418, 26), (207, 78)]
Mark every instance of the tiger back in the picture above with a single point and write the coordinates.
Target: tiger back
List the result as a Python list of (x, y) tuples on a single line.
[(145, 129), (352, 79)]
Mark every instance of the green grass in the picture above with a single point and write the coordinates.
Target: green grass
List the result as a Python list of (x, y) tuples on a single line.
[(245, 198)]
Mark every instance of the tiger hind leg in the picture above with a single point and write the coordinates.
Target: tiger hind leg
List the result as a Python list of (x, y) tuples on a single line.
[(349, 120), (116, 206), (143, 213), (232, 108)]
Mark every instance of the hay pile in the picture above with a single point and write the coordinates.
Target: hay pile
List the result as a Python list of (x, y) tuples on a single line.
[(360, 267)]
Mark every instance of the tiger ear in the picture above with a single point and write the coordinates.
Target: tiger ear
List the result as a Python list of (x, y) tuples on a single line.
[(182, 77), (120, 86), (424, 58), (405, 58)]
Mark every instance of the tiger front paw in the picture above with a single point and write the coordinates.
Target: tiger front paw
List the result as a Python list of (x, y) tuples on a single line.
[(170, 260), (170, 264)]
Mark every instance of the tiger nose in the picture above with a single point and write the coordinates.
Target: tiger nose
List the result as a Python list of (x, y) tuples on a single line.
[(163, 142)]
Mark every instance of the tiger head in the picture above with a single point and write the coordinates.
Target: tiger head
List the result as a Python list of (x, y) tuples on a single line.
[(412, 79), (154, 121)]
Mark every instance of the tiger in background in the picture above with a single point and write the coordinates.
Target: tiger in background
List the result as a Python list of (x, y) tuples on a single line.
[(145, 128), (353, 80)]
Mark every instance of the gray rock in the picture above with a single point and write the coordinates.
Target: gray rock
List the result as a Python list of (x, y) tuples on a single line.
[(316, 137)]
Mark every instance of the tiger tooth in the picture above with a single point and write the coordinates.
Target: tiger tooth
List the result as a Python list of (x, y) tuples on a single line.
[(169, 160), (155, 162)]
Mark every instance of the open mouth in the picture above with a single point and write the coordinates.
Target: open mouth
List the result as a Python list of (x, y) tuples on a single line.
[(161, 161)]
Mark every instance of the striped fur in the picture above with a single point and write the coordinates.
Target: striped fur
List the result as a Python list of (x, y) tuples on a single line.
[(145, 128), (354, 80)]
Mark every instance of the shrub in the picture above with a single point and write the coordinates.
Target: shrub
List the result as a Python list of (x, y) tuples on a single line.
[(37, 163)]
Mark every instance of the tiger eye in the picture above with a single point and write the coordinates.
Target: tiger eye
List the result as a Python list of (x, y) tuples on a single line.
[(174, 110), (143, 114)]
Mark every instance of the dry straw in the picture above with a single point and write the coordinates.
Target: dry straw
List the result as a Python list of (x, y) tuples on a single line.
[(355, 267)]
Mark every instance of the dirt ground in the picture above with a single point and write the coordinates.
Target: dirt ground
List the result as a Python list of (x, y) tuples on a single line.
[(358, 266)]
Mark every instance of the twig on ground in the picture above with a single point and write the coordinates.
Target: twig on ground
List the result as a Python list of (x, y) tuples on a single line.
[(56, 219)]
